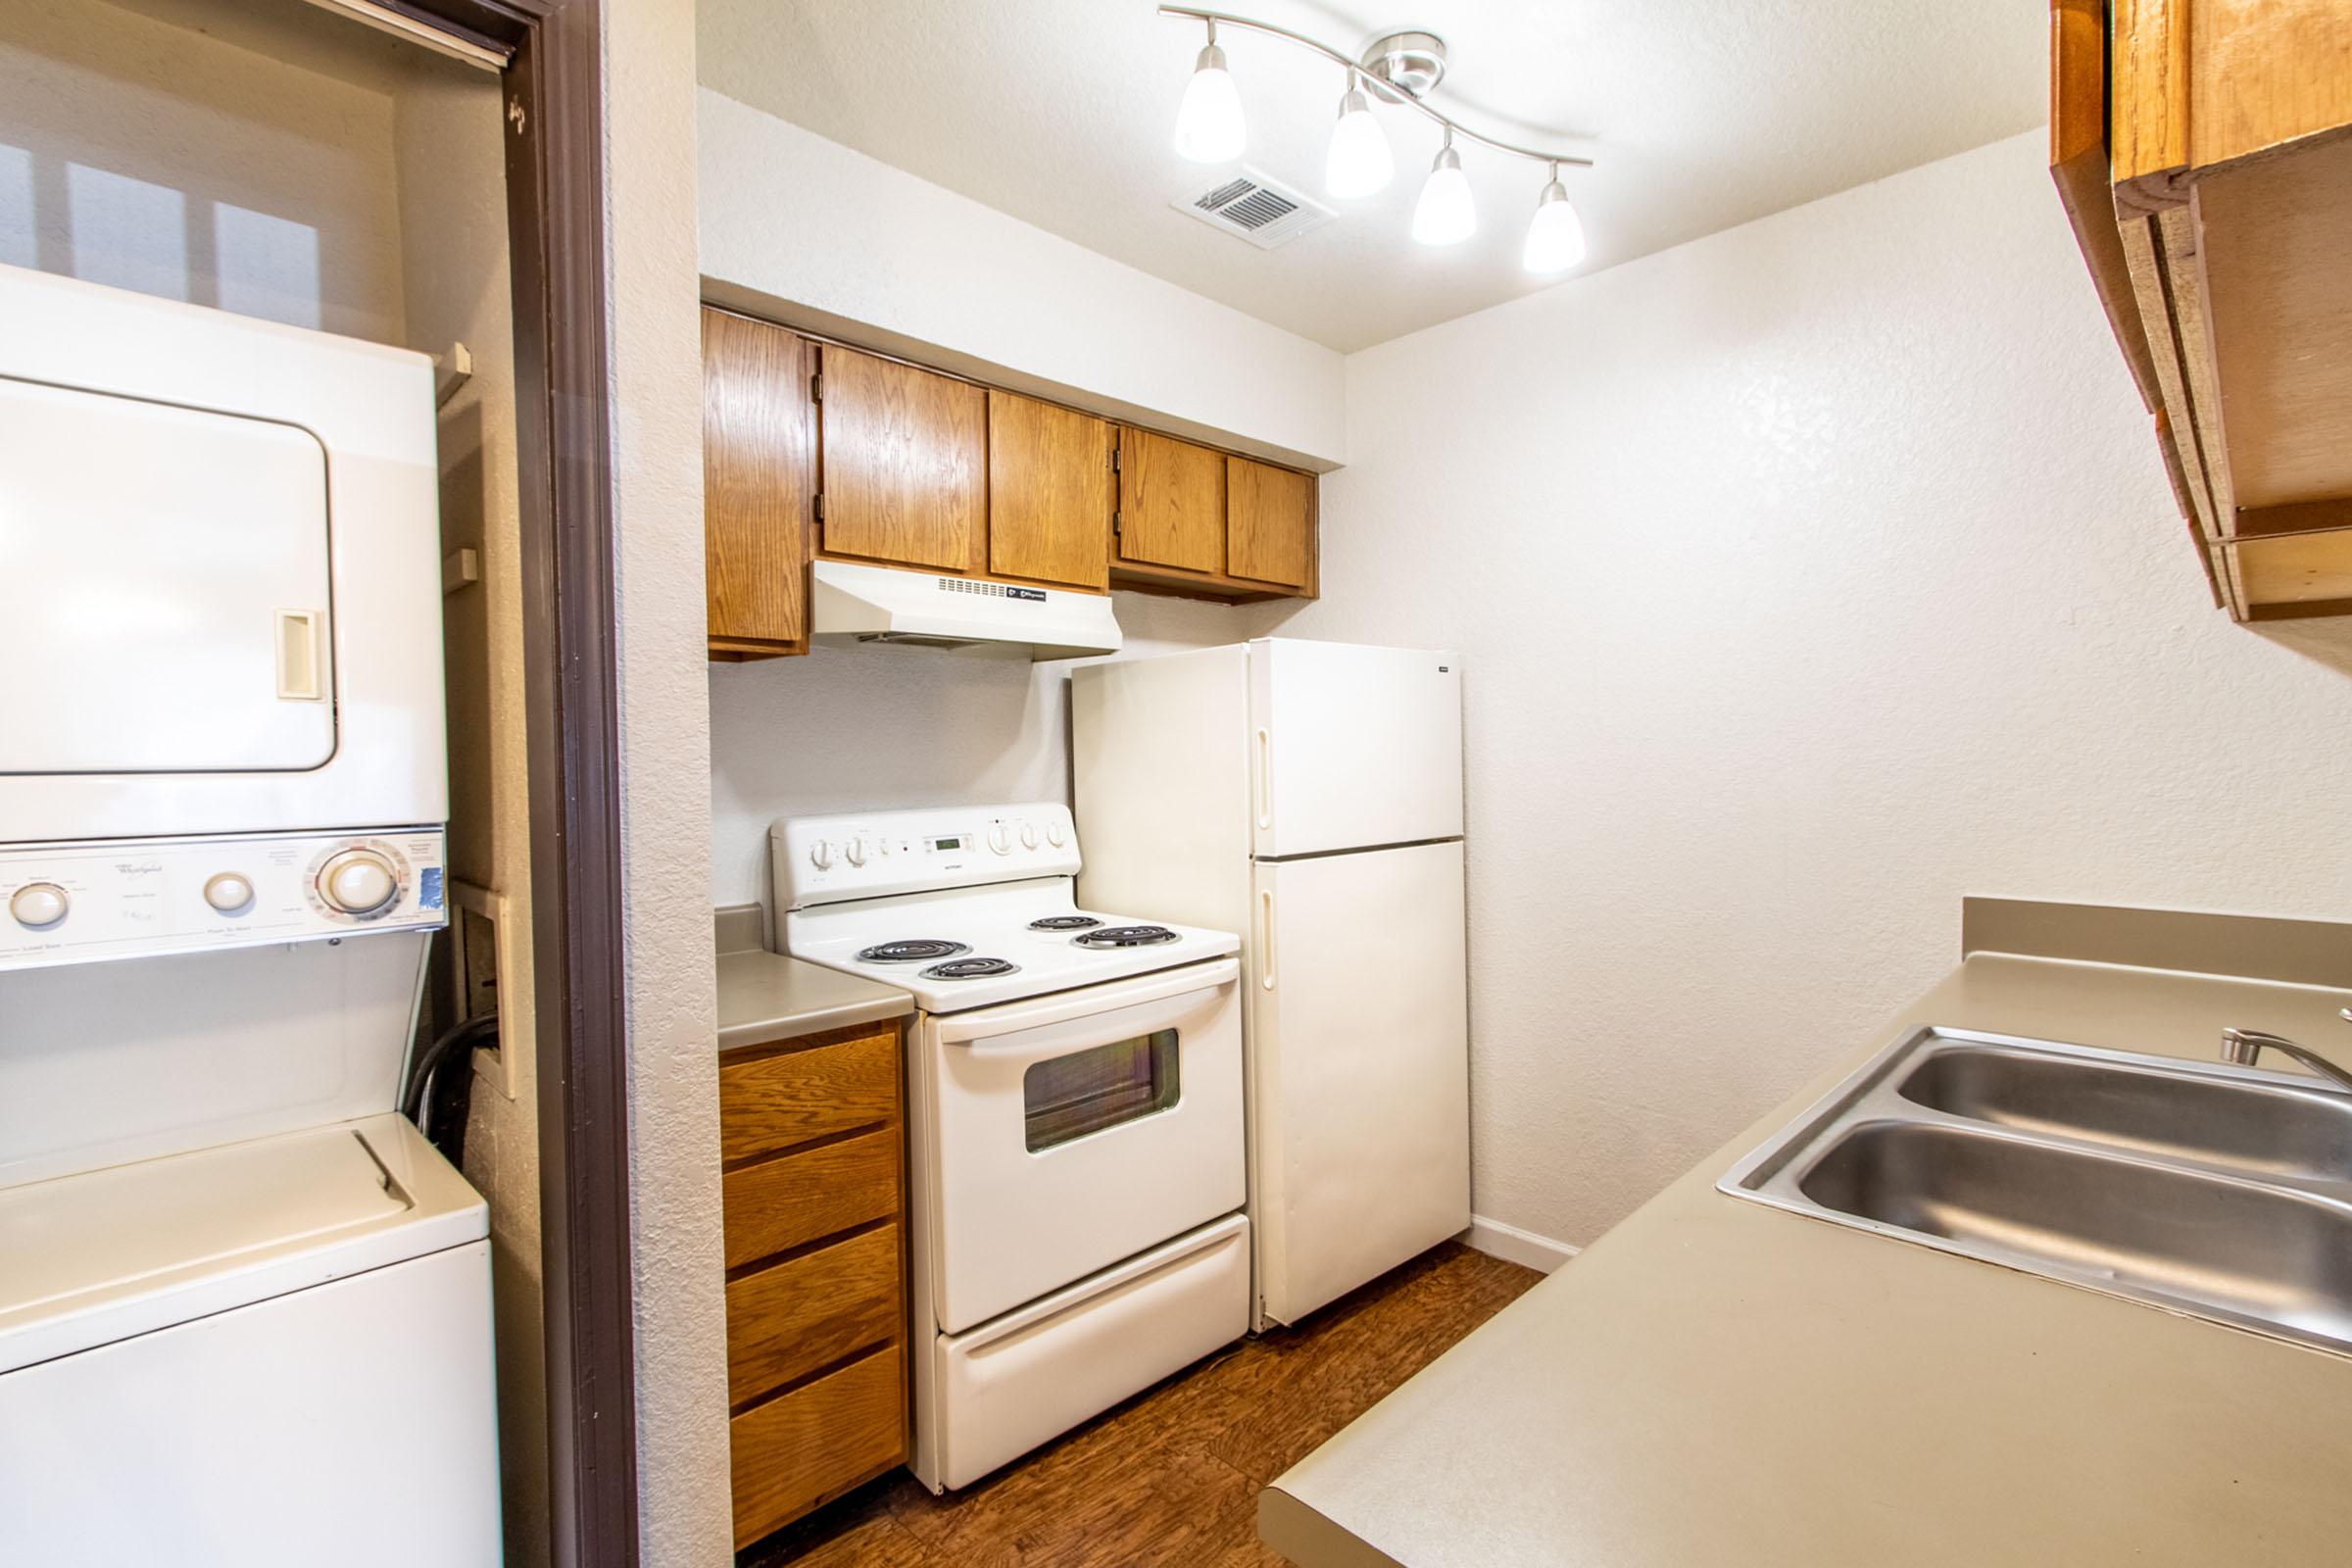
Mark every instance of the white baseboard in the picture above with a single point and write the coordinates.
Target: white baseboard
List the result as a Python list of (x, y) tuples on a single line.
[(1515, 1246)]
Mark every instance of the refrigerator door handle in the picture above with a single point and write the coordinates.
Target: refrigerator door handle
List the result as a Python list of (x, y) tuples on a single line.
[(1265, 777), (1265, 938)]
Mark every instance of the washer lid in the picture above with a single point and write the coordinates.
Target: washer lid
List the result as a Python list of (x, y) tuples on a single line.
[(100, 1255)]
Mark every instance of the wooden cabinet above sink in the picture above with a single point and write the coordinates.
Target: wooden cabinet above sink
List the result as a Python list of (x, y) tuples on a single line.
[(2206, 164)]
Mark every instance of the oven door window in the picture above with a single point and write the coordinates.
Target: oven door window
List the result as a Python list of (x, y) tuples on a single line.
[(1088, 1091)]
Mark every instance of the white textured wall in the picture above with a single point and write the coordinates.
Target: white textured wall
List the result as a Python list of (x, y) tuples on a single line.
[(148, 156), (685, 1512), (852, 245), (873, 728), (1812, 575)]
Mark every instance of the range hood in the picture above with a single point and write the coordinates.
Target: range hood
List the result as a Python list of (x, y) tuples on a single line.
[(854, 603)]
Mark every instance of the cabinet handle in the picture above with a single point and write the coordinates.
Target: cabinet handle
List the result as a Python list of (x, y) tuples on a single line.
[(1265, 778), (1265, 938)]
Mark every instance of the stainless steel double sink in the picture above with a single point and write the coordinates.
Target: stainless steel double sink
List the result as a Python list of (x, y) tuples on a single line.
[(2216, 1191)]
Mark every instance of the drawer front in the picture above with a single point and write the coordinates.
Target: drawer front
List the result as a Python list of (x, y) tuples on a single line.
[(772, 1102), (786, 1321), (801, 1197), (815, 1443)]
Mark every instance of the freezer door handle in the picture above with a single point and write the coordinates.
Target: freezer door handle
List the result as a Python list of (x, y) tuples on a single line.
[(1265, 777), (1265, 938)]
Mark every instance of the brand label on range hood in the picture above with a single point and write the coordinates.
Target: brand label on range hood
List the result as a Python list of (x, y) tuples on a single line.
[(990, 590)]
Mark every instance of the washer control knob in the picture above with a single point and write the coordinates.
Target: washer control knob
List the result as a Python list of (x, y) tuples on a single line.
[(858, 851), (357, 882), (39, 904), (1028, 836), (1054, 834), (1000, 839), (228, 893), (820, 854)]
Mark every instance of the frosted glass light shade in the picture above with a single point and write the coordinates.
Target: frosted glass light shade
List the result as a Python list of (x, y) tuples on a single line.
[(1359, 162), (1445, 213), (1209, 123), (1555, 235)]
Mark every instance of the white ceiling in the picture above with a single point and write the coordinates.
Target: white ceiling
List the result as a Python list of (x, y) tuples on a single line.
[(1700, 114)]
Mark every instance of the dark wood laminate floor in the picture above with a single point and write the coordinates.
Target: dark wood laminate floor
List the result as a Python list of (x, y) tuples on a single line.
[(1172, 1476)]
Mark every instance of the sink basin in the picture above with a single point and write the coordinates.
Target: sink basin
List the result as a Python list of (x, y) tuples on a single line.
[(2154, 1107), (2218, 1191)]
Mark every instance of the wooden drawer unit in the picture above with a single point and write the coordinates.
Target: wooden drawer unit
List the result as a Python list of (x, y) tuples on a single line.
[(806, 1090), (818, 1442), (811, 1310), (814, 1157), (774, 1205)]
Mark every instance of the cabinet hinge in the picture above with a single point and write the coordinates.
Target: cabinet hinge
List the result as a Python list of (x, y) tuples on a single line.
[(1115, 524), (816, 386), (1114, 460), (820, 506)]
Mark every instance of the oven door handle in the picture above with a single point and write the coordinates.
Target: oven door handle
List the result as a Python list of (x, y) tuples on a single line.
[(1078, 1021)]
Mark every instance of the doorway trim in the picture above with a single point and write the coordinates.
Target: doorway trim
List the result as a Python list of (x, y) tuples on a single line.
[(557, 242)]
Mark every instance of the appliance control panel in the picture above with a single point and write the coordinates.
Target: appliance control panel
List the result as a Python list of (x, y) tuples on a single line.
[(80, 902), (826, 859)]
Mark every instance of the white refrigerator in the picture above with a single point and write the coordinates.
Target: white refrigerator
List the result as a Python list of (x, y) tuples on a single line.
[(1308, 796)]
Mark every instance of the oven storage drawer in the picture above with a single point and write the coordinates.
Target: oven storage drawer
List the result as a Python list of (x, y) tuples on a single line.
[(1014, 1382)]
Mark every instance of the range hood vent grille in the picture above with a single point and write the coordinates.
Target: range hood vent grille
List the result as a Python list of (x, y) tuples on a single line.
[(1254, 205)]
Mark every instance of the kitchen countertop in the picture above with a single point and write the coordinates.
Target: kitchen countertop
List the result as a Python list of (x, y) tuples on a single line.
[(765, 996), (1715, 1381)]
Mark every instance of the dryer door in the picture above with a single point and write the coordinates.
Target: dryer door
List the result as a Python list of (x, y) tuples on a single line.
[(164, 577)]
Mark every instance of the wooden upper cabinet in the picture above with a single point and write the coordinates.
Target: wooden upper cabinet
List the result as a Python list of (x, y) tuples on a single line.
[(1171, 502), (1269, 523), (758, 475), (2207, 173), (1051, 491), (905, 463)]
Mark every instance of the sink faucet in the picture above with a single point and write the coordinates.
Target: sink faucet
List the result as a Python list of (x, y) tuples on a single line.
[(2244, 1047)]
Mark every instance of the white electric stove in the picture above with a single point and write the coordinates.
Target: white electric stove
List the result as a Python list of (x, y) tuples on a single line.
[(1074, 1092)]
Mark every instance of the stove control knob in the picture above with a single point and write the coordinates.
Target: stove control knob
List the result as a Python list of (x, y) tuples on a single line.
[(820, 854), (1053, 834), (39, 904), (1000, 839), (228, 893), (856, 851), (1028, 836), (357, 882)]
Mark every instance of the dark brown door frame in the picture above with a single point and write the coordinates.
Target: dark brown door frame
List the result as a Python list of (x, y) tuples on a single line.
[(554, 125)]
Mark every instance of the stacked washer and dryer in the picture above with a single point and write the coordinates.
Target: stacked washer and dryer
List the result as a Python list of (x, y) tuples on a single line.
[(244, 1305)]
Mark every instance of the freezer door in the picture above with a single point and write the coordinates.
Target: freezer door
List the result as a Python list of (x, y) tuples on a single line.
[(1352, 747), (1359, 1069)]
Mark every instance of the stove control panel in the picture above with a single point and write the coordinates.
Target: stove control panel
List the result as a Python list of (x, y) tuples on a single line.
[(826, 859), (84, 901)]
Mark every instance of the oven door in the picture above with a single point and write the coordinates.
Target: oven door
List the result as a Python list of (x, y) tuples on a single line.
[(1065, 1134)]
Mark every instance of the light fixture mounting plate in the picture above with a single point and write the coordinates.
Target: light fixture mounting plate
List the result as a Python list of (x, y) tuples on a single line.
[(1412, 62)]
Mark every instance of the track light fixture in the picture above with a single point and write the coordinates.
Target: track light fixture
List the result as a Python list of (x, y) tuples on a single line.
[(1359, 162), (1396, 71), (1209, 123)]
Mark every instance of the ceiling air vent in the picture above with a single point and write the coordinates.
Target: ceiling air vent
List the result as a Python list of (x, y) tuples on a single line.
[(1256, 206)]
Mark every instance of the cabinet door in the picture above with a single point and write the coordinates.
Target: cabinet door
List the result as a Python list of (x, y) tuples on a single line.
[(759, 474), (1050, 492), (1171, 502), (1269, 522), (905, 456)]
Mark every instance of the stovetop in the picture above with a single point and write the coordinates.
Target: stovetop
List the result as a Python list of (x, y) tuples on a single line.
[(965, 947)]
